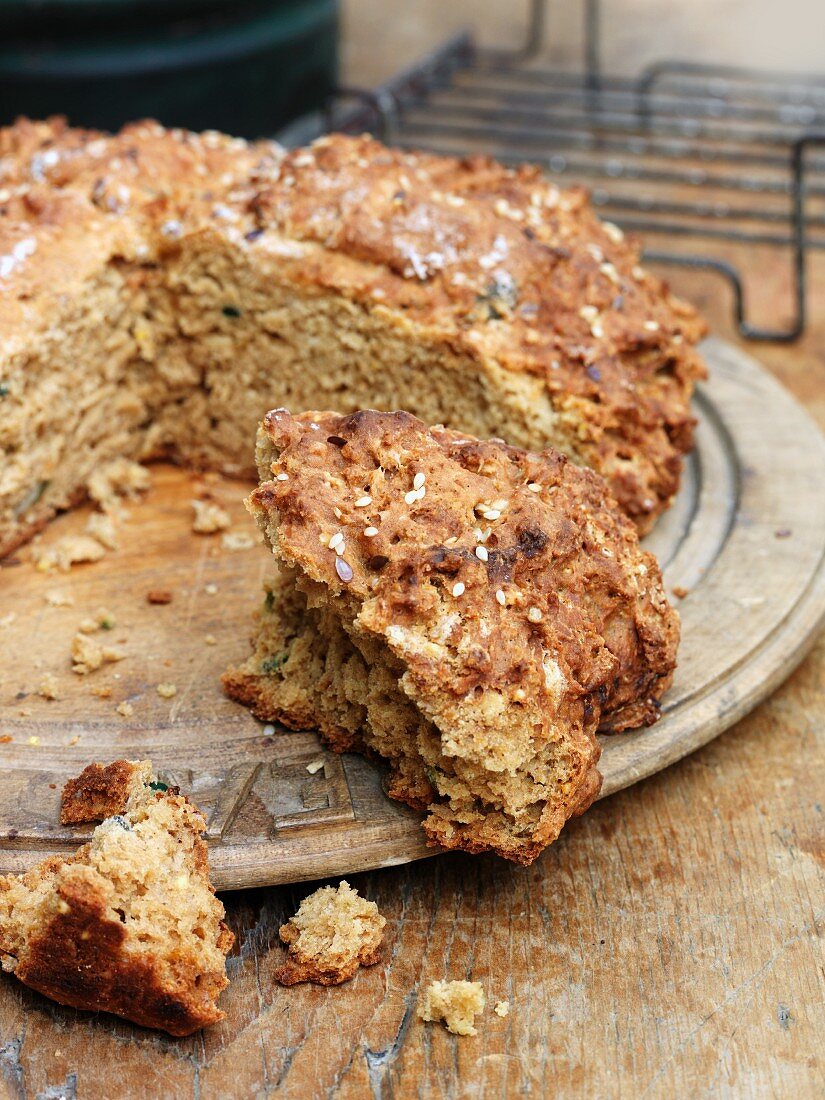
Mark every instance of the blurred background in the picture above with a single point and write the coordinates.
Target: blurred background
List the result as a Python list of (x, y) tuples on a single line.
[(700, 125), (249, 66)]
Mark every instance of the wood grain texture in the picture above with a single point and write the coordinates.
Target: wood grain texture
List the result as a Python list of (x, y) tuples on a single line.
[(755, 600)]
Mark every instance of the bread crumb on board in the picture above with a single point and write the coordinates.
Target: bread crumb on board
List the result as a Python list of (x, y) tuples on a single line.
[(100, 526), (68, 551), (502, 1008), (55, 598), (167, 691), (333, 933), (125, 710), (103, 619), (88, 655), (238, 540), (159, 596), (49, 687), (457, 1003), (209, 517)]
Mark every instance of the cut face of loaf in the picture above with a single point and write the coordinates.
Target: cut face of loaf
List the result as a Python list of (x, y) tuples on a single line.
[(129, 924), (469, 612), (160, 290)]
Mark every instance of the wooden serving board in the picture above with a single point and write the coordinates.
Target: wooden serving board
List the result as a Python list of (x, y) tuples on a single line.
[(745, 538)]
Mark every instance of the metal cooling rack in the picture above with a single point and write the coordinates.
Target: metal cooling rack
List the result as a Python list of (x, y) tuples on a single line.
[(689, 153)]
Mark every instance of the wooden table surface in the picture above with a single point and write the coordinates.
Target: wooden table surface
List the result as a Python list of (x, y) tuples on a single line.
[(669, 944)]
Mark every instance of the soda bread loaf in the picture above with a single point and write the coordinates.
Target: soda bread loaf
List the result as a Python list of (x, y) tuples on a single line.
[(129, 924), (333, 933), (160, 290), (468, 611)]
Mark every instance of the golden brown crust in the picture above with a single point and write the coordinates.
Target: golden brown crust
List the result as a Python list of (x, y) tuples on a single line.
[(102, 790), (498, 267), (506, 590), (78, 960), (333, 934), (513, 270), (565, 548), (296, 970)]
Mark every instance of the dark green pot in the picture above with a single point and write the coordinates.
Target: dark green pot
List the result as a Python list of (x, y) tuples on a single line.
[(246, 68)]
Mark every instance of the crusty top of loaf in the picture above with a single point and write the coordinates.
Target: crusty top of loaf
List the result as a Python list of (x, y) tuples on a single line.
[(492, 573), (498, 262)]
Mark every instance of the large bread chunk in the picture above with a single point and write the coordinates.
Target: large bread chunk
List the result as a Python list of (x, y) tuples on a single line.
[(468, 611), (160, 290)]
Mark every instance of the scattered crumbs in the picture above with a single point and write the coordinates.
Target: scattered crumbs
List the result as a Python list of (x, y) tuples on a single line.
[(502, 1008), (74, 740), (210, 589), (33, 740), (48, 687), (103, 692), (237, 540), (679, 591), (24, 712), (103, 620), (7, 620), (315, 766), (100, 527), (210, 639), (268, 730), (125, 710), (456, 1003), (159, 595), (88, 654), (166, 691), (55, 598), (5, 739), (209, 517), (68, 551)]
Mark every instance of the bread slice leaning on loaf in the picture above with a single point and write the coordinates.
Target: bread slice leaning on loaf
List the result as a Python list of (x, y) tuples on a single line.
[(160, 290), (465, 610)]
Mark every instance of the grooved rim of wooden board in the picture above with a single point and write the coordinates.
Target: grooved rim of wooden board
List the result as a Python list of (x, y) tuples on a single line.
[(745, 537)]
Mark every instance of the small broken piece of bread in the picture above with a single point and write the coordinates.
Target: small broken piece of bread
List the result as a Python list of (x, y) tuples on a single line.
[(332, 934), (209, 517), (68, 551), (129, 924), (456, 1003), (468, 611), (89, 655), (102, 790)]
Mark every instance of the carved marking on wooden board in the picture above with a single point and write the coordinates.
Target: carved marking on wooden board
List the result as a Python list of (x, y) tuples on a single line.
[(292, 796)]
